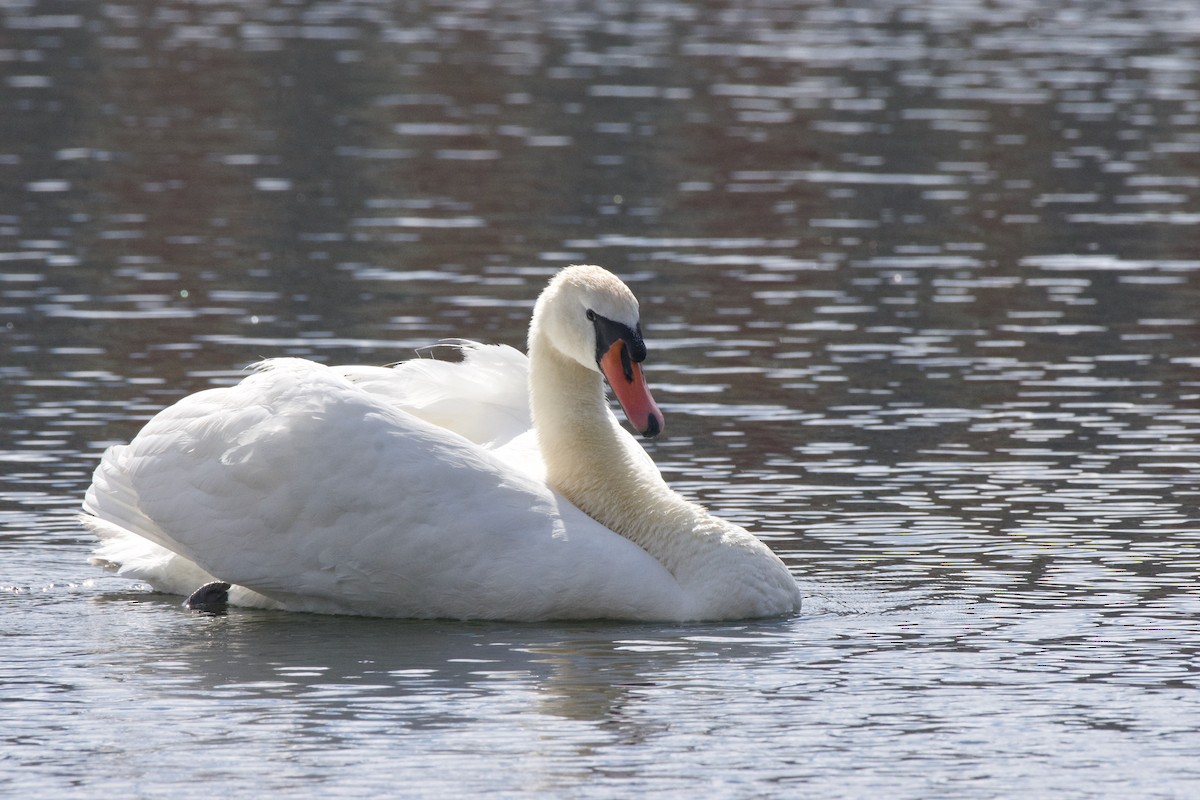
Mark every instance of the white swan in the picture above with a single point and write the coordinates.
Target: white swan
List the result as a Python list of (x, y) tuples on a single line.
[(499, 487)]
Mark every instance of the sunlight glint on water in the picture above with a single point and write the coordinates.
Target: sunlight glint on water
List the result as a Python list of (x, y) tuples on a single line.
[(920, 289)]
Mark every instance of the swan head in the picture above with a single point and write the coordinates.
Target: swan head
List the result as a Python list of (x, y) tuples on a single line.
[(591, 317)]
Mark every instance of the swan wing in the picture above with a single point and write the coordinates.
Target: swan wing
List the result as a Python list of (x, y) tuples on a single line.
[(484, 397), (322, 495)]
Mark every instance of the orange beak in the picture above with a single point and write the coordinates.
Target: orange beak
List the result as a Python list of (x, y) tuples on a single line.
[(625, 377)]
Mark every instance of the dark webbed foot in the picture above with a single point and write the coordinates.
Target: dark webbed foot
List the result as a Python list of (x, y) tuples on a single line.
[(212, 598)]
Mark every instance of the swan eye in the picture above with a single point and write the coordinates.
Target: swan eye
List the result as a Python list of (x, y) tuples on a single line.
[(591, 315)]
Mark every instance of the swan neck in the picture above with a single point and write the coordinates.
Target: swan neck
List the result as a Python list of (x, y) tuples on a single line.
[(569, 409), (603, 471), (589, 459)]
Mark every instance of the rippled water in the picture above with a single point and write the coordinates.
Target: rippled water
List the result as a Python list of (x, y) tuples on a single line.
[(920, 283)]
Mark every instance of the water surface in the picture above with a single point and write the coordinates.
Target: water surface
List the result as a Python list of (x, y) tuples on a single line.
[(920, 284)]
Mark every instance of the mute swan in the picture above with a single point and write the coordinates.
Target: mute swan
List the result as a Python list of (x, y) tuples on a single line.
[(499, 487)]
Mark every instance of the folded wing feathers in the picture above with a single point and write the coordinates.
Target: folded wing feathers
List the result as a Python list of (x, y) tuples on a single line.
[(484, 397)]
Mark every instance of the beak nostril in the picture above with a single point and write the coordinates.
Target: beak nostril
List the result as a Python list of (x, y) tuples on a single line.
[(626, 362)]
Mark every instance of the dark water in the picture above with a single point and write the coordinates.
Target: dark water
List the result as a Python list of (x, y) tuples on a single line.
[(921, 286)]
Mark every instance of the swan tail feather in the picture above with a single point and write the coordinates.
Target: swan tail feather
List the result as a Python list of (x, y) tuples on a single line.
[(132, 546)]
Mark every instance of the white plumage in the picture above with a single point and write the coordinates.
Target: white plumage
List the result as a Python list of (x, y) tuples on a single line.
[(433, 489)]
